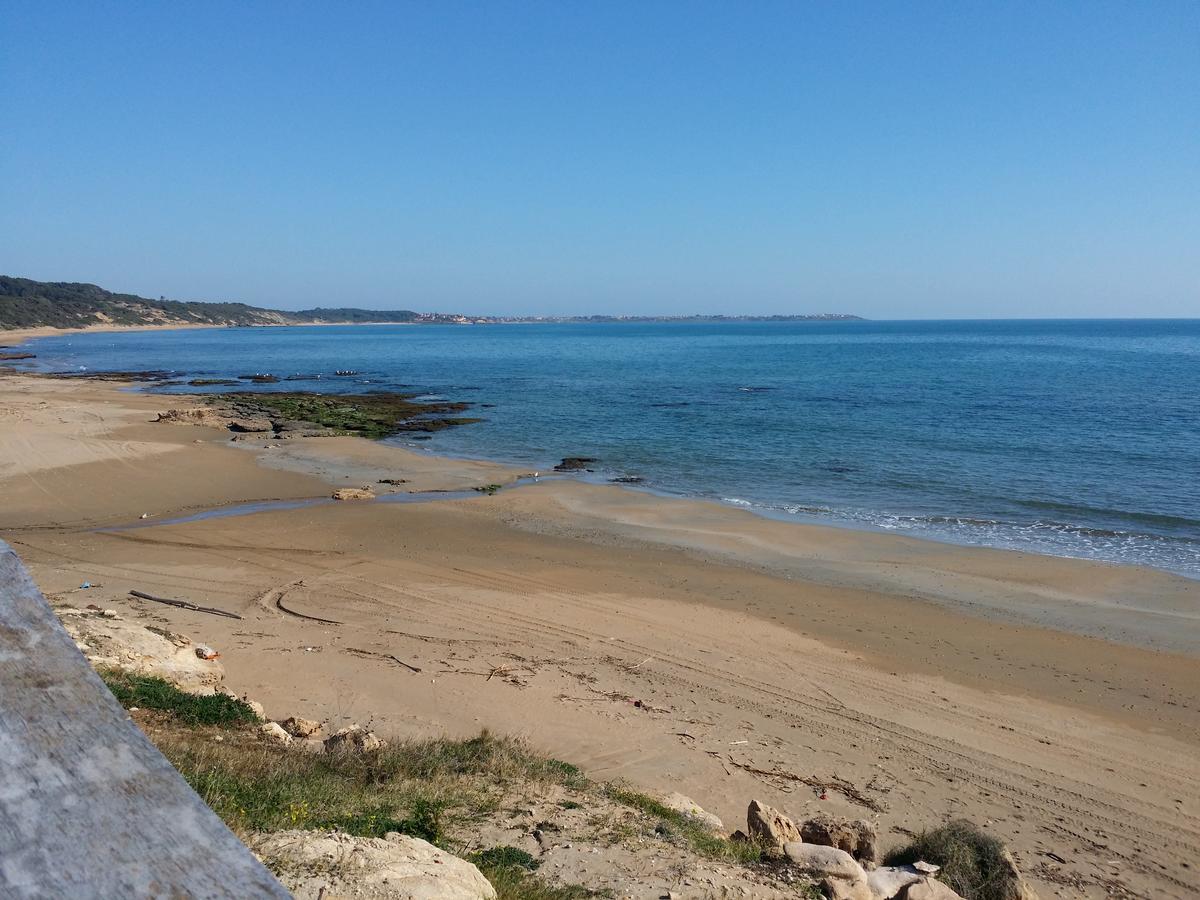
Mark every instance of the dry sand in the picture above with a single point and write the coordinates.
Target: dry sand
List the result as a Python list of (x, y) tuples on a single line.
[(1057, 702)]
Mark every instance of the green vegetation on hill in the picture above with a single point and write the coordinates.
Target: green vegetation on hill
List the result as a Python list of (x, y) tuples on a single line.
[(31, 304), (25, 303)]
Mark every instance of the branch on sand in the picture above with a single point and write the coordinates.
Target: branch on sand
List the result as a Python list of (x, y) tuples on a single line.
[(183, 604), (385, 656)]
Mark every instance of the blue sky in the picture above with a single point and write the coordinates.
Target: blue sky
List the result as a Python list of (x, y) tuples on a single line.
[(893, 160)]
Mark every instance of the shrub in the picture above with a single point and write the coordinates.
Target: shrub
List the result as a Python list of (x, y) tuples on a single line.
[(973, 862), (505, 858)]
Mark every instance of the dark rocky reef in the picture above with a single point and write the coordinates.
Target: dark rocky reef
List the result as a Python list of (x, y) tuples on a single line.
[(374, 415), (575, 464)]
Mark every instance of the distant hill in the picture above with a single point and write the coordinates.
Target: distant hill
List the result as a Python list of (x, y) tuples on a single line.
[(25, 303)]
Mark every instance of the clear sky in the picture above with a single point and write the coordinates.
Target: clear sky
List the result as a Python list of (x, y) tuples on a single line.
[(896, 160)]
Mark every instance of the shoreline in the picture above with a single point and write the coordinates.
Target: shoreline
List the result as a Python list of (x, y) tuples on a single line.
[(763, 509), (877, 661)]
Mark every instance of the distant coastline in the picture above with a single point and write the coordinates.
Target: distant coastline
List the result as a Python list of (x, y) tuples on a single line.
[(26, 305)]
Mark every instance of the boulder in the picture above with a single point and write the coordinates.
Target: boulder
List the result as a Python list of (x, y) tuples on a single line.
[(353, 494), (890, 881), (770, 826), (120, 644), (930, 889), (274, 732), (301, 728), (857, 837), (353, 738), (840, 876), (314, 864), (690, 808)]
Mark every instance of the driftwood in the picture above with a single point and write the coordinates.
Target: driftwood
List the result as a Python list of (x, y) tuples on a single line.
[(841, 785), (183, 604), (299, 615), (387, 656), (88, 807)]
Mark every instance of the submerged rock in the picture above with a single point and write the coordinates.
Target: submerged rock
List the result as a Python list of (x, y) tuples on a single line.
[(574, 463)]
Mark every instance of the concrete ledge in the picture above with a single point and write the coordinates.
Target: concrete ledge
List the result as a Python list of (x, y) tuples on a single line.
[(88, 806)]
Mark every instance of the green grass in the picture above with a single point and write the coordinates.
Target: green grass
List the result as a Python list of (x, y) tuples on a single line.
[(972, 861), (510, 870), (414, 787), (504, 858), (674, 824), (147, 692), (519, 884), (431, 789)]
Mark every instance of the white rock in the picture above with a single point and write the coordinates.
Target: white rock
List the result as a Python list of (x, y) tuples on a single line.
[(841, 877), (931, 889), (888, 881), (355, 738), (300, 728), (769, 825), (274, 732), (353, 494), (314, 864), (130, 647)]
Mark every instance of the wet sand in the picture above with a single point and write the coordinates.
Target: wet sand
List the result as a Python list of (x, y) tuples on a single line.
[(1055, 701)]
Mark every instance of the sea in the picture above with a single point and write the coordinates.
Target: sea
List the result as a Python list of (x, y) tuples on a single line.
[(1074, 438)]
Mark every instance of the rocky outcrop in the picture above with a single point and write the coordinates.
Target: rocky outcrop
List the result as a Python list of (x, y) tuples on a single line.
[(353, 494), (315, 864), (301, 728), (690, 808), (857, 837), (274, 732), (108, 641), (353, 739), (214, 417), (202, 415), (769, 826)]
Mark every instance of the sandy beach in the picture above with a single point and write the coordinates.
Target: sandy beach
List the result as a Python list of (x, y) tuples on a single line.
[(677, 644)]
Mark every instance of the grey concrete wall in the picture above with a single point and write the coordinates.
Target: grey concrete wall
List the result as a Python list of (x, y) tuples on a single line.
[(88, 806)]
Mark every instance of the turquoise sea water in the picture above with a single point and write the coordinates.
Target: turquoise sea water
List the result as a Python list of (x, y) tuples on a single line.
[(1076, 438)]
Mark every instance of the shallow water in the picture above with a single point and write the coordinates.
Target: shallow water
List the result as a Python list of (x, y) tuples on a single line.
[(1078, 438)]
